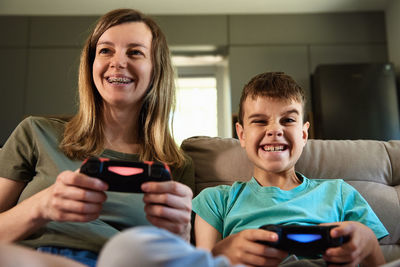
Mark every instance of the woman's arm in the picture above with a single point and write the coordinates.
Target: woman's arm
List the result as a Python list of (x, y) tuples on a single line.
[(16, 221), (73, 197), (13, 255)]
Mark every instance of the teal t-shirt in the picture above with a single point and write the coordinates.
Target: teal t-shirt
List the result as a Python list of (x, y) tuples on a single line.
[(32, 155), (248, 205)]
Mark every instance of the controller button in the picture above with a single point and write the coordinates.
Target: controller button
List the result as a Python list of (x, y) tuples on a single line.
[(125, 171), (304, 238)]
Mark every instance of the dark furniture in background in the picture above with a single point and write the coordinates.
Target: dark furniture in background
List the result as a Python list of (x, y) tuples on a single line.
[(355, 101)]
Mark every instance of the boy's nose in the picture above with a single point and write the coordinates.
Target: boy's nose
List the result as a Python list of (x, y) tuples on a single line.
[(275, 131)]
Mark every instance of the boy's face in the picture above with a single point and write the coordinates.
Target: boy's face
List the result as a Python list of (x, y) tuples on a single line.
[(273, 134)]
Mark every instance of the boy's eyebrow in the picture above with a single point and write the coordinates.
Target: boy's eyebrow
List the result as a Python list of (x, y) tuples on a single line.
[(292, 111), (256, 115)]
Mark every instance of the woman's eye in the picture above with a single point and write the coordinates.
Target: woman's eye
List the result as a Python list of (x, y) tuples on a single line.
[(135, 53), (104, 51)]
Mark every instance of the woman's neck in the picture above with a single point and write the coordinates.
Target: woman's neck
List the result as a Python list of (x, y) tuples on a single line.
[(120, 130)]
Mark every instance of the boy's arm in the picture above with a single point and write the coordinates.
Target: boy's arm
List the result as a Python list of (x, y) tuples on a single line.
[(362, 248), (205, 235), (239, 248), (375, 258)]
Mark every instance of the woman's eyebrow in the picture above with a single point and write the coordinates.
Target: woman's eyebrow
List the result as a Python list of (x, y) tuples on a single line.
[(105, 43), (137, 44)]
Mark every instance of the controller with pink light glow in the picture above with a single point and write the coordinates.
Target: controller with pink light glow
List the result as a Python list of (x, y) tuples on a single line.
[(125, 176)]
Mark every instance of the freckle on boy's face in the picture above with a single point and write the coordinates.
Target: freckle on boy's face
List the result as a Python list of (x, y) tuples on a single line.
[(273, 134)]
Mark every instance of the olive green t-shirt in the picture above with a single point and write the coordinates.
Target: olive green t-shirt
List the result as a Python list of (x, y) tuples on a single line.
[(32, 155)]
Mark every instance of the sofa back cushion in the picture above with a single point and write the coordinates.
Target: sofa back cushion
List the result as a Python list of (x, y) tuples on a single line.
[(372, 167)]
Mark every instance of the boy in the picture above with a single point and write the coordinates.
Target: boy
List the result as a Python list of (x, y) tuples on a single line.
[(272, 131)]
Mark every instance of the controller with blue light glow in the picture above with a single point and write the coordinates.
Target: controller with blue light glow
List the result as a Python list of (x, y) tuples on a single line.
[(125, 176), (303, 240)]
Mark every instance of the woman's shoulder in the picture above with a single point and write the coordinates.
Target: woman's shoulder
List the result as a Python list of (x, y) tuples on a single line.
[(44, 122), (33, 125)]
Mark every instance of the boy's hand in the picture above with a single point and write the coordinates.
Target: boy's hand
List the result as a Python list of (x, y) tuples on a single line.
[(363, 247), (242, 248)]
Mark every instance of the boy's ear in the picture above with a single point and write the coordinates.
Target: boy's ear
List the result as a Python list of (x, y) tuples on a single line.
[(306, 125), (240, 133)]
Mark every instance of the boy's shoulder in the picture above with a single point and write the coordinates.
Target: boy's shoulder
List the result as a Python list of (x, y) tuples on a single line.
[(332, 181), (318, 180), (331, 184), (222, 191)]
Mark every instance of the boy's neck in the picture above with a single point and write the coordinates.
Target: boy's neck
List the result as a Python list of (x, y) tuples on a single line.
[(284, 181)]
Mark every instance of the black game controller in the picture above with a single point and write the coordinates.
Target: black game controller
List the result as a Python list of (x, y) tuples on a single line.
[(125, 176), (303, 240)]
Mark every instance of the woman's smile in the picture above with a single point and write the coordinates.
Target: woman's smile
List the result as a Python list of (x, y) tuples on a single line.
[(115, 80)]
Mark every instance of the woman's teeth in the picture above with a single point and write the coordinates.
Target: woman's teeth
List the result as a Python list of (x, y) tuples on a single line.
[(119, 80)]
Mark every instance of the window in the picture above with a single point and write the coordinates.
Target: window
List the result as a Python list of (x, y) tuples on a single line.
[(196, 108), (202, 97)]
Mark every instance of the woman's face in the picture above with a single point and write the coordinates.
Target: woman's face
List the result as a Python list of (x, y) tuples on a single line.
[(122, 67)]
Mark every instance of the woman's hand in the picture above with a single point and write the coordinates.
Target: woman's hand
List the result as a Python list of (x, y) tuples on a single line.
[(243, 248), (73, 197), (169, 205)]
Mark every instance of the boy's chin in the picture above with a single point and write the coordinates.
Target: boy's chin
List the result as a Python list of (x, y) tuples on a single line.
[(275, 169)]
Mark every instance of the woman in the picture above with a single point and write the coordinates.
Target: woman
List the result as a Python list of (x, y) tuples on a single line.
[(126, 93)]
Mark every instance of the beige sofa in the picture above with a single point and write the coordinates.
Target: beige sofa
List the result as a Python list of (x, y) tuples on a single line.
[(372, 167)]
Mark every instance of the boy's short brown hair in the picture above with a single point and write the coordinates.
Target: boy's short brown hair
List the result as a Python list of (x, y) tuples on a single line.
[(276, 85)]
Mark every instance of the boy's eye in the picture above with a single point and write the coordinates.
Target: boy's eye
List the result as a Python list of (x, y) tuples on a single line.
[(259, 122), (289, 120)]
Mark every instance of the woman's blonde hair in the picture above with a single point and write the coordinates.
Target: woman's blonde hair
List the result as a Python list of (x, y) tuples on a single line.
[(83, 135)]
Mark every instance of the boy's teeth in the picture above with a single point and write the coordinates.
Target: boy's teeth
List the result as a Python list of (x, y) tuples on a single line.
[(274, 148)]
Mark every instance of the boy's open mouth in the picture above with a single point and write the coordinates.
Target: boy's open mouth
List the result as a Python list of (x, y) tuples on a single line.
[(274, 148)]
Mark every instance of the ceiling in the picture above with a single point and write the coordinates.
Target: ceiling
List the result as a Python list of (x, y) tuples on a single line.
[(170, 7)]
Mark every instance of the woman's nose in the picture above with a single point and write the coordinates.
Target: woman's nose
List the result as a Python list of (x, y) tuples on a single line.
[(118, 61)]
